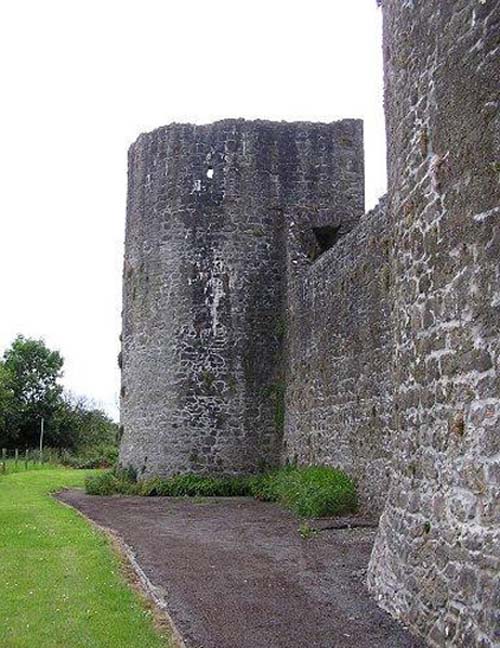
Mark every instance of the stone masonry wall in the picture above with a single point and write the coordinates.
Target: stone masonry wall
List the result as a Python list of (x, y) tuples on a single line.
[(204, 283), (436, 561), (339, 376)]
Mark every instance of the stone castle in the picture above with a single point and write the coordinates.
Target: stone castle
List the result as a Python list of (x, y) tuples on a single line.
[(268, 319)]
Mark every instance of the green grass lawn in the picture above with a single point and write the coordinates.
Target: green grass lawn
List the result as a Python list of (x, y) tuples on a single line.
[(60, 581), (11, 466)]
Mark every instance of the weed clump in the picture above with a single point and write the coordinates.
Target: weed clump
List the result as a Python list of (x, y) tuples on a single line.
[(306, 531), (190, 485), (313, 491), (310, 492)]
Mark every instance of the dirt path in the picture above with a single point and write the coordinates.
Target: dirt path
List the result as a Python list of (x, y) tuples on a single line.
[(235, 573)]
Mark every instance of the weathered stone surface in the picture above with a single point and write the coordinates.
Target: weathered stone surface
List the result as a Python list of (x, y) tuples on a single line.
[(339, 348), (255, 296), (204, 283), (442, 70)]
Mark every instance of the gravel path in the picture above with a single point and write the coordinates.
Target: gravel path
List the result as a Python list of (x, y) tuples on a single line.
[(236, 573)]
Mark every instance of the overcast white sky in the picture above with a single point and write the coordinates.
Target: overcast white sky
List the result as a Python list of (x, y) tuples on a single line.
[(80, 79)]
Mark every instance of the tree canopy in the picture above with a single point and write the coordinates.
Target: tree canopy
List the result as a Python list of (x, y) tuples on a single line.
[(30, 390)]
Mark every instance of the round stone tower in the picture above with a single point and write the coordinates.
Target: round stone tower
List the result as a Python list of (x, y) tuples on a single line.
[(204, 284)]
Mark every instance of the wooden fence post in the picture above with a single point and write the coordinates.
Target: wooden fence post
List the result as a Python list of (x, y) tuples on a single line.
[(41, 441), (16, 457), (26, 458)]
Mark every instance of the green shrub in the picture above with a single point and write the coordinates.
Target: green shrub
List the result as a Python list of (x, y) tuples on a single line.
[(100, 456), (266, 487), (314, 491), (151, 487), (190, 485), (111, 482), (317, 491), (103, 484)]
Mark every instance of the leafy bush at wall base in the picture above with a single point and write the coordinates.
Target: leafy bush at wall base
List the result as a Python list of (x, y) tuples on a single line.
[(190, 485), (111, 482), (314, 491)]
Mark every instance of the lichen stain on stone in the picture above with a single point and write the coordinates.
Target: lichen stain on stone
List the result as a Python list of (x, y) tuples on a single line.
[(215, 292)]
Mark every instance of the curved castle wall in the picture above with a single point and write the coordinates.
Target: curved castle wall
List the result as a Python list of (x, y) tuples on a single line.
[(436, 559), (205, 279)]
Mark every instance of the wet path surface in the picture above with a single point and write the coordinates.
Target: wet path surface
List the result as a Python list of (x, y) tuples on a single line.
[(236, 573)]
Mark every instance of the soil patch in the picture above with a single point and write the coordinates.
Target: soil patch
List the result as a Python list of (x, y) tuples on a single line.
[(236, 573)]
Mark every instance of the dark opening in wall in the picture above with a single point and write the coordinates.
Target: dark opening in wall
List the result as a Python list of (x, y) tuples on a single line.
[(326, 237)]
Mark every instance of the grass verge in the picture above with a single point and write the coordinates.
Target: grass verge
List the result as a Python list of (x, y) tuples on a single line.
[(9, 466), (313, 491), (60, 582)]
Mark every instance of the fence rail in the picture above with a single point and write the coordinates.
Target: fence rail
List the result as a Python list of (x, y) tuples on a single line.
[(17, 459)]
